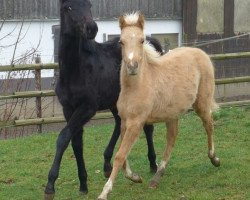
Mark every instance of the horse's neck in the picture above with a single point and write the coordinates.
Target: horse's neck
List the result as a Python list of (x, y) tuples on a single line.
[(69, 52), (87, 46)]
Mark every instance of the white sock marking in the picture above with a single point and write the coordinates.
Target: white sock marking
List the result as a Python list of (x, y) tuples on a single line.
[(128, 171), (162, 165), (106, 189)]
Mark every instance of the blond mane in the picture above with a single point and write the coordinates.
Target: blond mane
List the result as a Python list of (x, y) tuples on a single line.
[(131, 18), (151, 54)]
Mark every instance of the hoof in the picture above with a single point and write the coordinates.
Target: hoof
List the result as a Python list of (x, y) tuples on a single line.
[(83, 193), (101, 198), (49, 196), (153, 184), (107, 174), (107, 170), (135, 178), (215, 161), (83, 189)]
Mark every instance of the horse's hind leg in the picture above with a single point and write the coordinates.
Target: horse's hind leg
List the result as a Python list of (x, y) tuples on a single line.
[(148, 130), (108, 153), (171, 137), (77, 145), (207, 119)]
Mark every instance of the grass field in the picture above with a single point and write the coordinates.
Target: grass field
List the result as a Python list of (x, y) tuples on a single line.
[(25, 162)]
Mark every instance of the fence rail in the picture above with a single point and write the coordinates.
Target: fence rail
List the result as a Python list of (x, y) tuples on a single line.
[(40, 66), (50, 93), (47, 120), (106, 115), (5, 68), (98, 116), (29, 94)]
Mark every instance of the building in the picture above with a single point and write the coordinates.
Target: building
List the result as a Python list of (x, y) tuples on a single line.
[(36, 19), (196, 21), (221, 26)]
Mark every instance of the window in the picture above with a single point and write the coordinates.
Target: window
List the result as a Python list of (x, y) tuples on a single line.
[(168, 41)]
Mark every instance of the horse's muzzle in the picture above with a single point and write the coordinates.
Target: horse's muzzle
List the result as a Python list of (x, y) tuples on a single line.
[(91, 30), (132, 68)]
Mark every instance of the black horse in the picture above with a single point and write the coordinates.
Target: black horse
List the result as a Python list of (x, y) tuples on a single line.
[(88, 82)]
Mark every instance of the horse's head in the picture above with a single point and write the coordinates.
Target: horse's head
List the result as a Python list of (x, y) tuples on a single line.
[(132, 41), (76, 17)]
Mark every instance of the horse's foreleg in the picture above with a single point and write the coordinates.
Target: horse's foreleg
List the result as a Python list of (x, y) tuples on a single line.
[(130, 136), (77, 145), (171, 137), (129, 174), (148, 129), (80, 116), (108, 153), (126, 168), (61, 144)]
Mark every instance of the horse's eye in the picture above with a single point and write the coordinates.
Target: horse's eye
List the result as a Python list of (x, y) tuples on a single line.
[(68, 8), (142, 41)]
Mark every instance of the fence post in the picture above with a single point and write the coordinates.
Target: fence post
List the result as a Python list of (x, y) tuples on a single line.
[(38, 88)]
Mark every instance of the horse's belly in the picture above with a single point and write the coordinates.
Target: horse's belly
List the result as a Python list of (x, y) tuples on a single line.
[(171, 110), (165, 115)]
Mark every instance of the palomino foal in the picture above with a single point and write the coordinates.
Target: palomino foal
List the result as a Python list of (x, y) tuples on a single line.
[(159, 89)]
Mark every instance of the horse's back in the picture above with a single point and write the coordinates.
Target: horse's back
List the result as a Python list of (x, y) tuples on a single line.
[(193, 57), (181, 75)]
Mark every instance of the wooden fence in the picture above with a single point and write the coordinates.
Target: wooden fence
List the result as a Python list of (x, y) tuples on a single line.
[(47, 93)]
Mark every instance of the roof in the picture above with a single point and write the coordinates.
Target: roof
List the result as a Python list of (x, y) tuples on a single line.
[(101, 9)]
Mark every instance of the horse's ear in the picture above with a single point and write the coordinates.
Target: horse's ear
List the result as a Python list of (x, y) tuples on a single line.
[(122, 22), (140, 22)]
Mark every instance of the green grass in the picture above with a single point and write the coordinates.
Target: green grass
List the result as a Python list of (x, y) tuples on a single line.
[(25, 162)]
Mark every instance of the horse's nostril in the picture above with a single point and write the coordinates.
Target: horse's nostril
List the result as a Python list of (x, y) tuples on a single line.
[(91, 29), (136, 65), (88, 30)]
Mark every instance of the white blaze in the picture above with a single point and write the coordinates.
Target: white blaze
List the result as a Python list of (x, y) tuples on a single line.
[(131, 55)]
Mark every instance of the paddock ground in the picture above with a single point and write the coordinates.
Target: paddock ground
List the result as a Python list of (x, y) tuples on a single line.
[(25, 162)]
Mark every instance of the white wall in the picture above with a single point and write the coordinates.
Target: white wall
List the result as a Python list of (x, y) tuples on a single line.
[(151, 27), (31, 35), (33, 32)]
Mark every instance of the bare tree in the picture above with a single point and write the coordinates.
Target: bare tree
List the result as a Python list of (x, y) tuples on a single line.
[(17, 108)]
